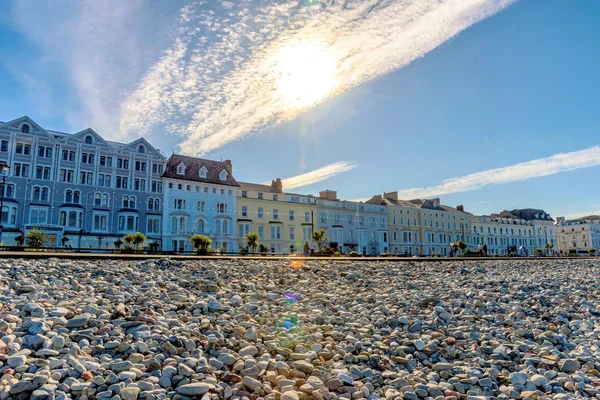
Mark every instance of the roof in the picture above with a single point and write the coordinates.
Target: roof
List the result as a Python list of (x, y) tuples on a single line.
[(401, 203), (258, 186), (529, 214), (193, 166)]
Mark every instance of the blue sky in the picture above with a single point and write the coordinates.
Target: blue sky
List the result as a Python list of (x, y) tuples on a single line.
[(428, 98)]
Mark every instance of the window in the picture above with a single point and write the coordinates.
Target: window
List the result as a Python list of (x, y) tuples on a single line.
[(100, 222), (189, 188), (71, 219), (4, 145), (225, 224), (66, 175), (141, 149), (9, 214), (68, 155), (104, 180), (292, 215), (244, 194), (128, 223), (157, 168), (201, 205), (106, 161), (261, 212), (260, 195), (295, 199), (223, 175), (179, 204), (156, 187), (306, 233), (40, 193), (86, 178), (276, 232), (23, 149), (153, 204), (222, 191), (42, 172), (87, 158), (200, 225), (21, 170), (306, 217), (129, 201), (9, 191), (88, 140), (72, 196), (122, 163), (275, 213), (153, 225), (221, 208), (214, 190), (122, 182), (261, 232), (101, 199), (140, 184), (181, 169), (179, 186), (275, 197), (25, 128), (382, 222), (292, 233), (140, 166), (37, 216), (322, 217), (244, 211), (203, 171), (243, 230), (44, 152)]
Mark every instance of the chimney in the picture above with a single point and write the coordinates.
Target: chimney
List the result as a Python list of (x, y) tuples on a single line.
[(328, 195), (460, 207), (228, 166), (391, 196), (277, 185)]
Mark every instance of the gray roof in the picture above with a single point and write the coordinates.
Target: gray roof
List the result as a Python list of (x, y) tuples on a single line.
[(258, 186), (529, 214), (193, 166)]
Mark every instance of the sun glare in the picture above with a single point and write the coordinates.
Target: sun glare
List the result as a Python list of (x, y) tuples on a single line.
[(306, 73)]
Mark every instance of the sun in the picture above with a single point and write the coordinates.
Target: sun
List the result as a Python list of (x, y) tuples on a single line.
[(305, 73)]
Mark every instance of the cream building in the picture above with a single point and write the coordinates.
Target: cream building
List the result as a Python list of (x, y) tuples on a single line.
[(577, 236), (424, 226), (283, 221)]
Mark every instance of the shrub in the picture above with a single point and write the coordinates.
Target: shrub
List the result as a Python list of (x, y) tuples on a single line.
[(201, 243), (262, 249), (354, 254), (36, 238), (252, 241), (319, 237), (538, 251), (134, 240), (592, 251)]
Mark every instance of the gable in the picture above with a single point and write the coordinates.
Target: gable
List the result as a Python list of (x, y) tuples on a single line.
[(148, 148), (81, 136), (34, 129)]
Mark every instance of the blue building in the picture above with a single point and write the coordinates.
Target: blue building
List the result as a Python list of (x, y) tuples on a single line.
[(199, 197), (79, 188)]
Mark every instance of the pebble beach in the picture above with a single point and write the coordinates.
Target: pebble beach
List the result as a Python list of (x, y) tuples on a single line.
[(290, 330)]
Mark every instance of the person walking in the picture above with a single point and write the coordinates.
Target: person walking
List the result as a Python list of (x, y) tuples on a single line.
[(311, 246), (306, 249)]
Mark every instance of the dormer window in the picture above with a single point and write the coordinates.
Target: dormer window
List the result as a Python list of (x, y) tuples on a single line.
[(25, 128), (181, 169), (203, 171), (141, 149), (223, 175), (88, 140)]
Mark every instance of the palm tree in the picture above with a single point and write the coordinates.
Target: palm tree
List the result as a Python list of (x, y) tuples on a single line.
[(252, 241), (319, 237), (462, 246), (201, 243), (549, 247)]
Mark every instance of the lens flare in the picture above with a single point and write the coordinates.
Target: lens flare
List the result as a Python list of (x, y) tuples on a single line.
[(296, 264), (290, 297)]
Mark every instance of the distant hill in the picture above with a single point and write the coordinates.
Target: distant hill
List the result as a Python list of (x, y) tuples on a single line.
[(595, 217)]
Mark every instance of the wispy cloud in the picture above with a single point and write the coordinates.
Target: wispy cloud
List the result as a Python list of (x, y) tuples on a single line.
[(519, 172), (226, 75), (316, 176)]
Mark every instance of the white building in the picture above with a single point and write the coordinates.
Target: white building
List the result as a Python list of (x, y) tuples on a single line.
[(199, 197), (577, 236), (503, 235)]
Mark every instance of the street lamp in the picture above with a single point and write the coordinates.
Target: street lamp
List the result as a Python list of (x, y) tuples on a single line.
[(4, 170), (462, 224)]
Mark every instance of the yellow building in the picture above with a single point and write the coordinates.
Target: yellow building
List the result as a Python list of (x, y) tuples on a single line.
[(283, 221)]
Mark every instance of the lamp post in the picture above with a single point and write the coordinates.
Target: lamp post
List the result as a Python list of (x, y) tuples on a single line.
[(462, 225), (546, 236), (4, 170)]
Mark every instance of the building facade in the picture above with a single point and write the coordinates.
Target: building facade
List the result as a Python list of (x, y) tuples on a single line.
[(577, 236), (81, 189), (283, 221), (544, 230), (199, 197), (363, 227), (502, 235)]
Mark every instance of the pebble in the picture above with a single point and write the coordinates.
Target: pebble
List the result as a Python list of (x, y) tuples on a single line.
[(249, 329)]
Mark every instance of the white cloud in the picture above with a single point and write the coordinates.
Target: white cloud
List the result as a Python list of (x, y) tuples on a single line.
[(316, 176), (221, 80), (519, 172)]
